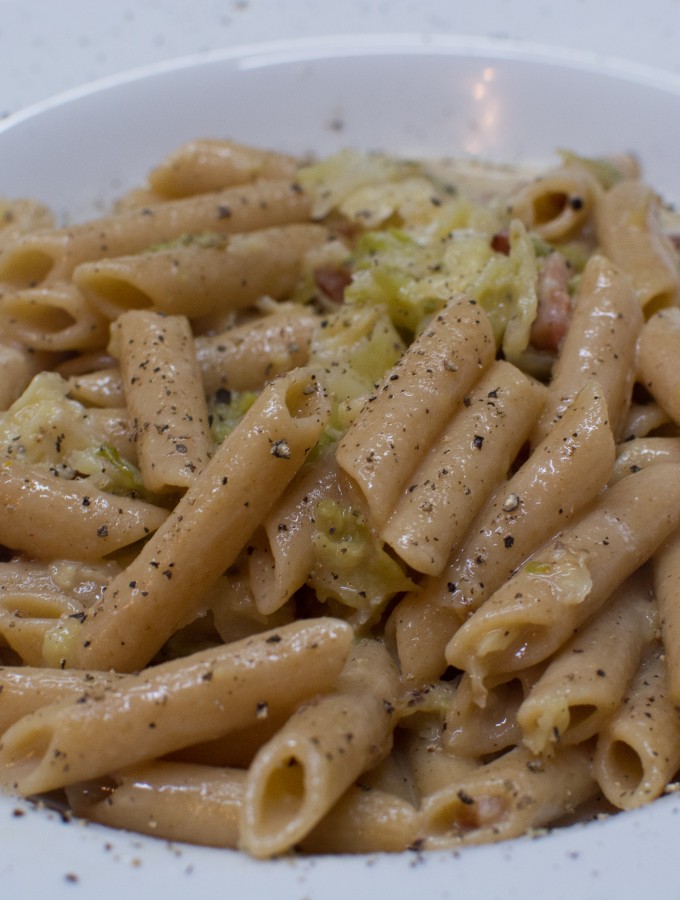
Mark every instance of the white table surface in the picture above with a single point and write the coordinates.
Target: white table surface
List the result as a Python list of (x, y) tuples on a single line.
[(47, 46)]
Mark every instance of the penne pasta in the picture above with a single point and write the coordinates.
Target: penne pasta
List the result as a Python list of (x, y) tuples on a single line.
[(566, 582), (559, 204), (164, 396), (657, 350), (53, 254), (599, 346), (200, 166), (537, 500), (451, 484), (507, 797), (163, 587), (666, 570), (55, 318), (36, 500), (204, 277), (584, 684), (411, 406), (638, 750), (171, 801), (323, 748), (478, 733), (172, 705), (365, 820), (629, 230), (245, 356), (341, 501), (28, 688), (18, 365), (639, 453)]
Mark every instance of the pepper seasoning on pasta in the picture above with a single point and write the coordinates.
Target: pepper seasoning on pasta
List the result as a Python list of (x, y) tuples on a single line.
[(327, 485)]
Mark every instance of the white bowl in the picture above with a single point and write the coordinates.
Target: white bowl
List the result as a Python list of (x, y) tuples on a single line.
[(409, 95)]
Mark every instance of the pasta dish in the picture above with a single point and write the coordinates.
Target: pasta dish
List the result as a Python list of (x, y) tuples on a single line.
[(339, 500)]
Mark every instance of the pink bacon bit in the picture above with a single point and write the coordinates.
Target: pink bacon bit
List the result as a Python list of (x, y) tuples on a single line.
[(554, 304), (500, 242), (332, 282)]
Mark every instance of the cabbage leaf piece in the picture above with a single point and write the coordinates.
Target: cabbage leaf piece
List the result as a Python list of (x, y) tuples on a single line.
[(352, 566), (44, 426)]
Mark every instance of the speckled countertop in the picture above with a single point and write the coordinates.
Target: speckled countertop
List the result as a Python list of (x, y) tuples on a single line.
[(47, 46)]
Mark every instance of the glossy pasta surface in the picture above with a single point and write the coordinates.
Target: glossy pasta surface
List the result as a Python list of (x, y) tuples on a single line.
[(341, 501)]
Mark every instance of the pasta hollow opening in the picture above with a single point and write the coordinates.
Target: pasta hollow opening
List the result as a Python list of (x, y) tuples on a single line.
[(301, 398), (549, 207), (26, 268), (625, 766), (24, 753), (38, 318), (283, 797), (579, 714), (662, 300), (106, 291), (32, 606)]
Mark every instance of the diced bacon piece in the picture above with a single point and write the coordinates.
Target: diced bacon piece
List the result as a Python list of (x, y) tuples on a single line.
[(332, 282), (554, 304)]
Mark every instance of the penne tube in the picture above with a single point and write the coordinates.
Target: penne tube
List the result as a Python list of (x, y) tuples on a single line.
[(235, 750), (340, 501), (538, 500), (644, 419), (55, 318), (28, 615), (164, 396), (421, 628), (599, 346), (557, 205), (365, 820), (507, 797), (585, 682), (231, 605), (22, 577), (398, 424), (282, 558), (164, 586), (297, 777), (172, 705), (463, 466), (36, 501), (18, 365), (629, 230), (171, 801), (478, 732), (19, 217), (433, 767), (568, 580), (657, 355), (102, 387), (638, 750), (244, 357), (200, 166), (24, 689), (53, 254), (639, 453), (666, 569), (202, 278)]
